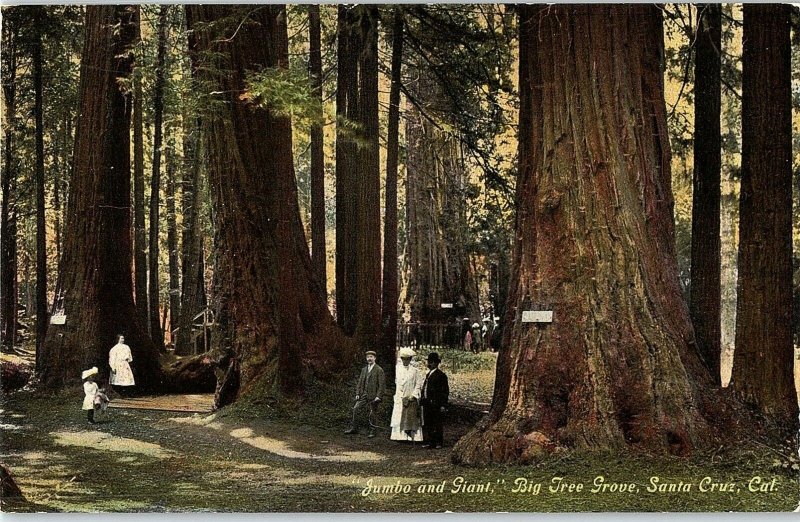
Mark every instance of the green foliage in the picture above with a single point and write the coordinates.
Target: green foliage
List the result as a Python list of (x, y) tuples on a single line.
[(285, 92)]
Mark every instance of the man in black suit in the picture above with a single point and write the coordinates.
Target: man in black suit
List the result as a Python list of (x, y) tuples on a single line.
[(435, 395), (369, 392)]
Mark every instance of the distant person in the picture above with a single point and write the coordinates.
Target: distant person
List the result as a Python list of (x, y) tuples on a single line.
[(435, 396), (370, 390), (476, 337), (406, 422), (90, 390), (119, 359), (468, 341)]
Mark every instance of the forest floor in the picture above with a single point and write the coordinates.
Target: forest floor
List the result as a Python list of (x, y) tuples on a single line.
[(249, 459)]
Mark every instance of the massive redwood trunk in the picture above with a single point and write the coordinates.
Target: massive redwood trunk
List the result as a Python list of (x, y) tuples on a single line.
[(96, 265), (594, 243), (358, 237), (763, 358), (280, 339), (139, 233), (705, 296)]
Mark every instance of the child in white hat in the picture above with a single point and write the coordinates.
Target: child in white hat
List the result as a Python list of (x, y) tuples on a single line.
[(90, 389)]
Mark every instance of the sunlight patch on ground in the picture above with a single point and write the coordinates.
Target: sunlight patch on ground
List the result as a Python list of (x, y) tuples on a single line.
[(282, 449), (105, 442), (198, 420)]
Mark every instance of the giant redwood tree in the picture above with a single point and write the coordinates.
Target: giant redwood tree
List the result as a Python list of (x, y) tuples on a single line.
[(616, 368), (358, 225), (763, 358), (275, 321), (96, 265), (705, 296)]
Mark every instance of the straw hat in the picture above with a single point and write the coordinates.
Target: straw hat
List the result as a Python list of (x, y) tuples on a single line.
[(88, 373), (407, 352)]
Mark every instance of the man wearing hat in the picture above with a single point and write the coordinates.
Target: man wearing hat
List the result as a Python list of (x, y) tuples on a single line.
[(435, 396), (369, 393)]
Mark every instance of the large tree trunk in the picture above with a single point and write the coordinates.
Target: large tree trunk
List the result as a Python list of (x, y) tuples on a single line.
[(41, 232), (438, 263), (763, 358), (139, 233), (319, 258), (705, 296), (358, 238), (390, 267), (96, 265), (278, 339), (594, 243), (8, 218), (155, 181)]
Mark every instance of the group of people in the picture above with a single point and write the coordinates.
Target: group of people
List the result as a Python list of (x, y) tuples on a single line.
[(420, 399), (121, 378)]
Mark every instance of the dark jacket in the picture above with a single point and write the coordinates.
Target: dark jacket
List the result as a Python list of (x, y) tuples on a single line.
[(371, 384), (435, 389)]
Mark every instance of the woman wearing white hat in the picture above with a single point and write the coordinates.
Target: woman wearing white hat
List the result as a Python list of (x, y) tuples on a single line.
[(406, 421), (119, 358), (90, 389)]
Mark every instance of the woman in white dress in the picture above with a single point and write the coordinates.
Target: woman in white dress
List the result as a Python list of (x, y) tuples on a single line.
[(119, 358), (406, 421)]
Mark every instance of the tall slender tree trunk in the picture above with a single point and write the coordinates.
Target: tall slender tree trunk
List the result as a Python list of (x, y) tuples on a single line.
[(8, 213), (319, 258), (41, 231), (155, 181), (616, 368), (763, 357), (276, 339), (390, 281), (705, 296), (139, 233), (358, 239), (97, 261), (193, 288), (172, 245)]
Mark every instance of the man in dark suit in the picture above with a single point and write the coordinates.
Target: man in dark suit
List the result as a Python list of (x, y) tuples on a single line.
[(369, 392), (435, 395)]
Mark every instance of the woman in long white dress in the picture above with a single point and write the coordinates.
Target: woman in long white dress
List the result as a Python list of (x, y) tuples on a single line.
[(119, 358), (406, 421)]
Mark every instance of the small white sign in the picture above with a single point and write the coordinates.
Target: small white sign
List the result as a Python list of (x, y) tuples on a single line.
[(537, 316), (447, 305), (58, 319)]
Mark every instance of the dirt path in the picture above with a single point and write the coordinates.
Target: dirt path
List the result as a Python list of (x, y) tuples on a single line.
[(142, 460)]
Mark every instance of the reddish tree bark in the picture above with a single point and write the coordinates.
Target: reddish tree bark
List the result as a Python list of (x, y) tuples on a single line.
[(278, 339), (763, 357), (97, 261), (595, 244)]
